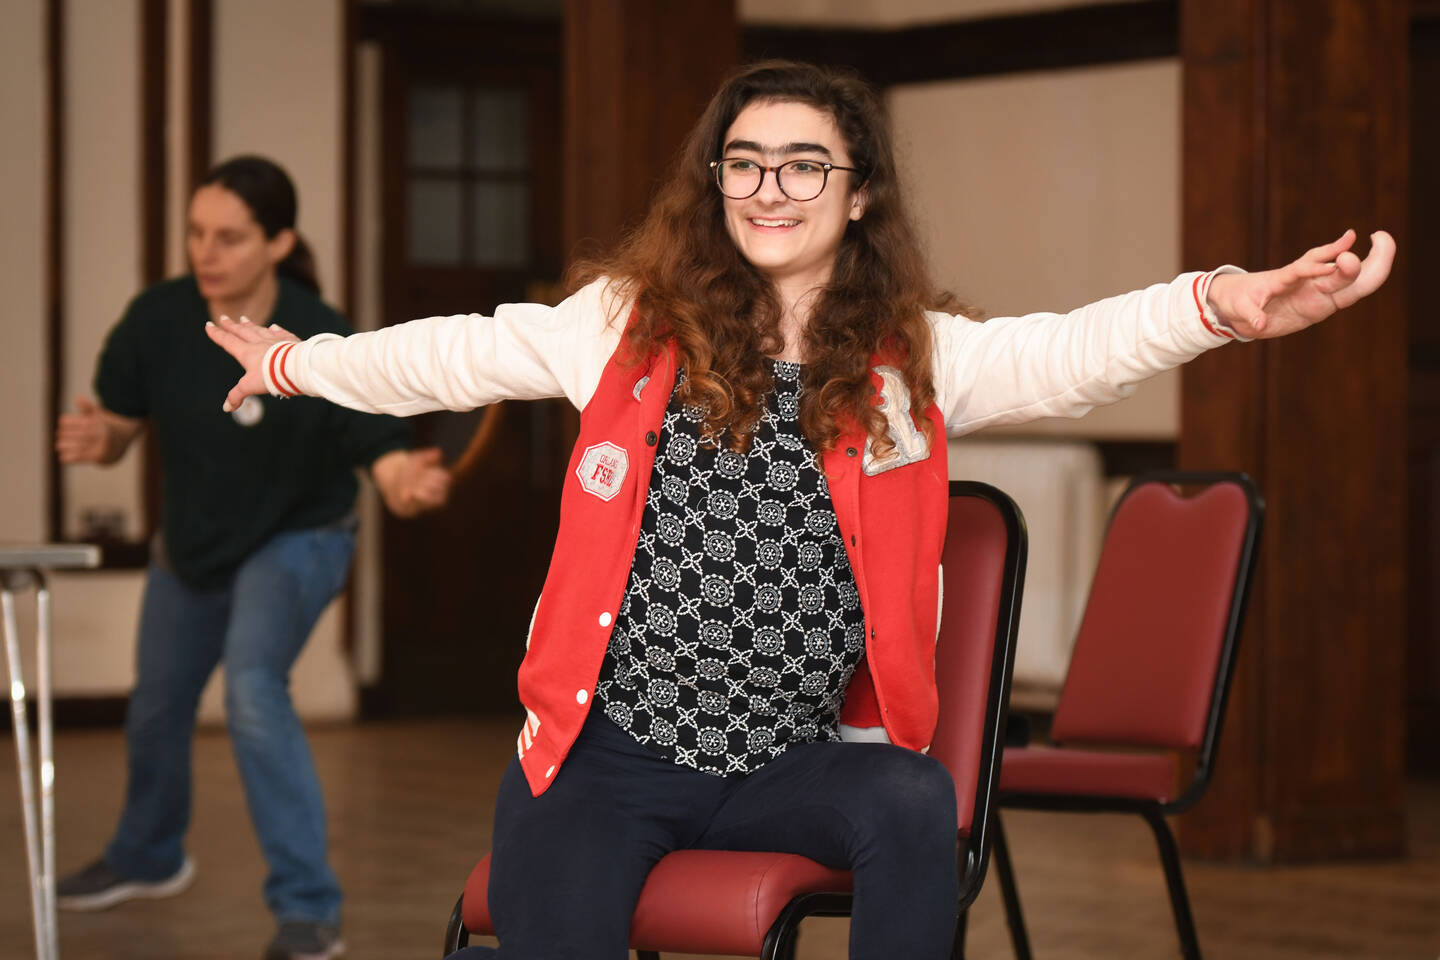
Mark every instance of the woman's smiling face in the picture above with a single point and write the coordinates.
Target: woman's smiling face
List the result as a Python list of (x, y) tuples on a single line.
[(792, 242)]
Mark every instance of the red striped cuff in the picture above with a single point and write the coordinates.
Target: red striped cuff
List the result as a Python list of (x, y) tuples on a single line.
[(272, 368), (1207, 316)]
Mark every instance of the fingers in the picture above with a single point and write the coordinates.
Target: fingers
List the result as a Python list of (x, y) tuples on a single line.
[(1369, 273), (75, 451), (425, 483), (1343, 273), (433, 492), (222, 336), (242, 331), (1321, 261), (1305, 269), (1329, 251), (234, 398), (1375, 268), (86, 406), (79, 438), (70, 453)]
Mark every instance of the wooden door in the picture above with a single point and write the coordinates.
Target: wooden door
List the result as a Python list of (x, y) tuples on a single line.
[(471, 173)]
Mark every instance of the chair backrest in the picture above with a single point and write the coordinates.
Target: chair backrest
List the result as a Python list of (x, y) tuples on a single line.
[(982, 580), (1155, 650)]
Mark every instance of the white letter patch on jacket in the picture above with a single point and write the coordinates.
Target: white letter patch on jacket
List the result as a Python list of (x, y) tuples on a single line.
[(910, 444), (602, 469)]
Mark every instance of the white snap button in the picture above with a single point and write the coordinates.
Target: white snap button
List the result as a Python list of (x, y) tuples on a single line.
[(605, 619), (551, 772), (581, 696)]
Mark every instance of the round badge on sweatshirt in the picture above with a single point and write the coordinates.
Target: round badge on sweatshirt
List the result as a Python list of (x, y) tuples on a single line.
[(250, 412)]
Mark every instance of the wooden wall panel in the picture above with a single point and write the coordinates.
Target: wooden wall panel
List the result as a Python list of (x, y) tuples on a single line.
[(637, 75), (1423, 658), (1295, 127)]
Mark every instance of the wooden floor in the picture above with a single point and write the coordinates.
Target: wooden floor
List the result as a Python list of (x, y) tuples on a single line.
[(410, 808)]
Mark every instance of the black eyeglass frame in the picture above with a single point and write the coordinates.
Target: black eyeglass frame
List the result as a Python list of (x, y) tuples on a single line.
[(826, 167)]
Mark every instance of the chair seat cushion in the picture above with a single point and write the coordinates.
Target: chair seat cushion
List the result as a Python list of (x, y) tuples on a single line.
[(700, 901), (1066, 771)]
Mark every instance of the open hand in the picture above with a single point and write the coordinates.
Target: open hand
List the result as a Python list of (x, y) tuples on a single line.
[(1328, 278), (247, 342)]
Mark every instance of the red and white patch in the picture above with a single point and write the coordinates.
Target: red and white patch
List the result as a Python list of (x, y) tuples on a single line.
[(602, 470)]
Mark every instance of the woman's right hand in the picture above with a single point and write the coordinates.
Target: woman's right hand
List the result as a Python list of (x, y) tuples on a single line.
[(93, 434), (247, 343)]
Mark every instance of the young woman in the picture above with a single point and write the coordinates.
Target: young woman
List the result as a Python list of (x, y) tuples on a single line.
[(750, 532), (256, 538)]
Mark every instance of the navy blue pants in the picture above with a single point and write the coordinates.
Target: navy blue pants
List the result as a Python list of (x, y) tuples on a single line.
[(567, 866)]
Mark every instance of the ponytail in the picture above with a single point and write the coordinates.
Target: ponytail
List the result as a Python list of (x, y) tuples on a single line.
[(299, 266)]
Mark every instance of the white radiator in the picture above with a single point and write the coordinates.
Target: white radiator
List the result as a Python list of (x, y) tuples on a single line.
[(1060, 487)]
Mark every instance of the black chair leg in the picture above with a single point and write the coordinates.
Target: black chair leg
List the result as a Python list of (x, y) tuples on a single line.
[(456, 936), (1179, 901), (781, 940), (957, 946), (1014, 917), (646, 955)]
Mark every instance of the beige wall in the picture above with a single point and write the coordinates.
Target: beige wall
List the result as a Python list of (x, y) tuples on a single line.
[(277, 92), (1046, 191), (23, 238), (101, 227)]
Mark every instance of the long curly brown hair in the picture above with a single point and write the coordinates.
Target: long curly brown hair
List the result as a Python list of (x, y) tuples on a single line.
[(692, 285)]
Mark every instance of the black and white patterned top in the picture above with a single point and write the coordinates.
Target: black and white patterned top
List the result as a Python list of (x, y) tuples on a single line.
[(741, 624)]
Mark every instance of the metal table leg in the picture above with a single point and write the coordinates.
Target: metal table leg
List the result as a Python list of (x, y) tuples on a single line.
[(39, 837), (20, 569)]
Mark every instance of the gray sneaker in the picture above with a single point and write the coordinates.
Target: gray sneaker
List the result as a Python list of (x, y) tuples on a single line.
[(303, 940), (97, 887)]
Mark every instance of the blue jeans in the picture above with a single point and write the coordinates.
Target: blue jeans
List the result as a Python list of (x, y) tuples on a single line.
[(567, 867), (257, 625)]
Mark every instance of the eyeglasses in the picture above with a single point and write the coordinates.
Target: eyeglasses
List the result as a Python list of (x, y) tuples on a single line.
[(800, 180)]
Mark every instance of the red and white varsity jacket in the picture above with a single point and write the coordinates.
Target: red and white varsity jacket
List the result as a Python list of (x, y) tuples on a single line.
[(890, 513)]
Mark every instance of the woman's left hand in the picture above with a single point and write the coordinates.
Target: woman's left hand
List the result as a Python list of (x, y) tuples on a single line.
[(1328, 278)]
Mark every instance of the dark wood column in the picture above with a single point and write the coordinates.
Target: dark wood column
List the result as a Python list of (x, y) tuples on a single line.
[(1423, 655), (637, 75), (1295, 127)]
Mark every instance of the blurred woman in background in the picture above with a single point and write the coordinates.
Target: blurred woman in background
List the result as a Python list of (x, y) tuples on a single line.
[(256, 538)]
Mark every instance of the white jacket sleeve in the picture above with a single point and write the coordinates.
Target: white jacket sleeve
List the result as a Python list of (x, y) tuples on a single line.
[(524, 352), (1015, 369)]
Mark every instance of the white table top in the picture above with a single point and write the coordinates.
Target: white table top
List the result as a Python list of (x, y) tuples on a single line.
[(49, 556)]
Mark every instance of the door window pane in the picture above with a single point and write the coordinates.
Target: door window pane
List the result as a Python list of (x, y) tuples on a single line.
[(434, 119), (499, 133), (499, 224), (434, 222)]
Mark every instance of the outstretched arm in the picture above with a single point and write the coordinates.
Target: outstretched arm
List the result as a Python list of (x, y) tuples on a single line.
[(525, 351), (1015, 369), (1274, 303)]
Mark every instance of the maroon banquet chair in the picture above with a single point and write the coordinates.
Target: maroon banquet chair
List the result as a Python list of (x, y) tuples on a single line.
[(751, 904), (1148, 680)]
